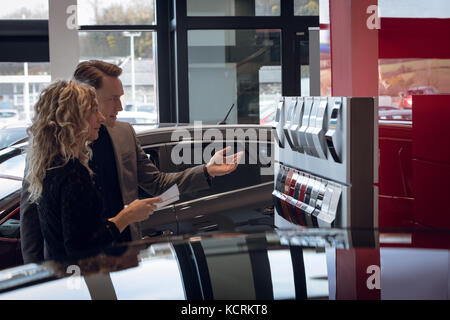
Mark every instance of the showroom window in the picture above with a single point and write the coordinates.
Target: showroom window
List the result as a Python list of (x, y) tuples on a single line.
[(402, 78), (226, 67), (116, 12), (124, 33), (20, 86), (241, 53), (414, 8), (404, 73), (164, 55), (233, 8), (306, 7), (24, 67), (24, 9)]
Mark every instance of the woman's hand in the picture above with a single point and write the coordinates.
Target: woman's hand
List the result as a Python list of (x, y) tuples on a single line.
[(136, 211)]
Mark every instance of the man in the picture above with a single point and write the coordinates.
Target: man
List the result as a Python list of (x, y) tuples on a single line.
[(119, 163)]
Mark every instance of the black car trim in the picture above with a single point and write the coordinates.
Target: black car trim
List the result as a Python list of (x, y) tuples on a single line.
[(262, 275), (299, 273), (201, 265), (217, 195), (188, 270)]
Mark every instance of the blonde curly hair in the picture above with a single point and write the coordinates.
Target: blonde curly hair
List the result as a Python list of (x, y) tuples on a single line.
[(60, 128)]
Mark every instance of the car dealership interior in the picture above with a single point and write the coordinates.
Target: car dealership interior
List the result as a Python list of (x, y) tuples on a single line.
[(283, 150)]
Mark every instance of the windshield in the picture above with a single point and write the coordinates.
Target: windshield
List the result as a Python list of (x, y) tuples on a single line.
[(8, 187), (11, 135), (14, 166)]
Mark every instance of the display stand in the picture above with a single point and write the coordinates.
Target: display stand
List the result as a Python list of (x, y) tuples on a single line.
[(326, 162)]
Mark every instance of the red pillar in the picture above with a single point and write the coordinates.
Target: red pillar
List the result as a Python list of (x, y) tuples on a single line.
[(354, 49)]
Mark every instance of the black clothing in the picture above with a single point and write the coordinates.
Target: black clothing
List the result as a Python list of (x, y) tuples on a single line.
[(70, 213), (32, 241), (103, 164), (133, 169)]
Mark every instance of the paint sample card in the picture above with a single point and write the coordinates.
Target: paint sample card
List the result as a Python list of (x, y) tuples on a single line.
[(169, 196)]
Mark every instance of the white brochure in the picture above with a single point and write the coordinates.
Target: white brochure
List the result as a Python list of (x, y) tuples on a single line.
[(170, 196)]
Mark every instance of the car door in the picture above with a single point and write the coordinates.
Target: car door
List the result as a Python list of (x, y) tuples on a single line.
[(236, 200), (154, 144), (10, 252)]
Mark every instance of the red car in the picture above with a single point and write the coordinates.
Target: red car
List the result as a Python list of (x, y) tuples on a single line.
[(406, 100)]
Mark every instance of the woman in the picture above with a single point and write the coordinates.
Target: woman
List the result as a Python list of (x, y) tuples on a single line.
[(66, 120)]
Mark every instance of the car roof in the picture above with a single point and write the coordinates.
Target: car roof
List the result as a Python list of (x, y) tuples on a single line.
[(15, 124), (140, 114)]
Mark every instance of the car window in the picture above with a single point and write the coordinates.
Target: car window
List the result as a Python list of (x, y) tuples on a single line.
[(146, 108), (14, 166), (247, 174), (6, 114), (11, 135)]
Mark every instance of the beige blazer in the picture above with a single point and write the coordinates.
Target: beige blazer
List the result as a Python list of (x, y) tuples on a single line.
[(134, 169)]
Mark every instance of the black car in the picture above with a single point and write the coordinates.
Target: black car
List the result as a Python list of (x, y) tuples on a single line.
[(228, 205), (299, 263)]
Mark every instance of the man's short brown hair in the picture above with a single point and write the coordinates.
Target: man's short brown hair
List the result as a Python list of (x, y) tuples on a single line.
[(91, 72)]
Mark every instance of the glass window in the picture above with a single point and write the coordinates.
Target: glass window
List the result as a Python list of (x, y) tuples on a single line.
[(232, 67), (233, 7), (414, 8), (24, 9), (324, 8), (116, 12), (304, 66), (306, 7), (133, 52), (399, 79), (325, 63), (20, 86), (269, 92)]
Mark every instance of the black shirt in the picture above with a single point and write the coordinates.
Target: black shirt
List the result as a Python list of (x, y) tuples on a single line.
[(103, 164), (69, 213)]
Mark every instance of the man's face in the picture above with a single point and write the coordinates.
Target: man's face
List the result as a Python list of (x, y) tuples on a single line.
[(109, 99)]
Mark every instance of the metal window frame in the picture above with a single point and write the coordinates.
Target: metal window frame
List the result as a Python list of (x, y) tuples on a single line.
[(172, 26), (292, 27), (167, 112), (24, 40)]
